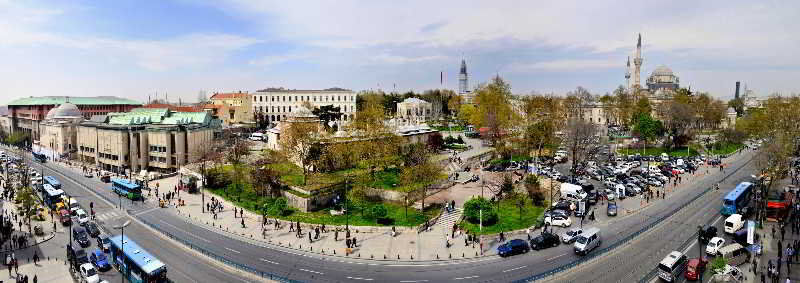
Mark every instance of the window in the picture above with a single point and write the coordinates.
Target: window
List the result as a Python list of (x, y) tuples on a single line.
[(315, 99), (272, 98), (174, 160), (254, 98), (290, 109)]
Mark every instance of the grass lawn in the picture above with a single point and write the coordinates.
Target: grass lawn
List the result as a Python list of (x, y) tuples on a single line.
[(726, 148), (396, 213), (656, 151), (387, 179), (508, 219)]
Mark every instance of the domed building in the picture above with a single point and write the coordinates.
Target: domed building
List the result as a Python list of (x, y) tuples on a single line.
[(59, 136), (662, 78)]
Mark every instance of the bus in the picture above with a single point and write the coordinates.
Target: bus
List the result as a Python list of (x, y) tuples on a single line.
[(52, 181), (39, 157), (51, 196), (136, 264), (126, 188), (737, 199)]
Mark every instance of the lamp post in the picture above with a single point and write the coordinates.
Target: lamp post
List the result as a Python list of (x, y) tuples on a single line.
[(699, 236), (122, 242)]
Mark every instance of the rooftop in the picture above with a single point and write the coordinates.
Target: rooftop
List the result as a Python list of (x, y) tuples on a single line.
[(284, 90), (229, 95), (58, 100)]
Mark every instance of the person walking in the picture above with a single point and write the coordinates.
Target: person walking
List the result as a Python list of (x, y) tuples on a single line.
[(355, 243), (309, 237), (336, 235)]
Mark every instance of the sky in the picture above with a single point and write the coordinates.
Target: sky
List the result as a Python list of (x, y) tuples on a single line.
[(177, 48)]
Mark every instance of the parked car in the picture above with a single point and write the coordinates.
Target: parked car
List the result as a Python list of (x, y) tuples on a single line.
[(515, 246), (92, 229), (99, 259), (89, 274), (707, 234), (83, 218), (558, 220), (80, 236), (611, 210), (545, 240), (65, 218)]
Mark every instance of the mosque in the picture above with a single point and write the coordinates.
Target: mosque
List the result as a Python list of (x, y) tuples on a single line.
[(661, 85)]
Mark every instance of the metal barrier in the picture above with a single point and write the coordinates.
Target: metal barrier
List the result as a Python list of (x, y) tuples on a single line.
[(600, 252), (220, 258)]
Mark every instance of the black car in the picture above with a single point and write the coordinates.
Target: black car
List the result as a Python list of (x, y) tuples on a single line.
[(76, 255), (515, 246), (556, 212), (707, 233), (92, 229), (545, 240), (81, 236), (563, 205)]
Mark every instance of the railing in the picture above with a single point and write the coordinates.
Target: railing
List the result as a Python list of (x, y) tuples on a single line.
[(644, 229), (220, 258)]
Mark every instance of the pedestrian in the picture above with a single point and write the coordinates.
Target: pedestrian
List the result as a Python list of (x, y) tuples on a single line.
[(355, 243), (309, 237), (16, 266), (234, 213), (35, 279), (336, 235), (291, 226), (347, 243), (9, 269), (243, 223)]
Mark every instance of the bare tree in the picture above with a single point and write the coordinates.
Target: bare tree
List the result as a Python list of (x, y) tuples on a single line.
[(579, 135)]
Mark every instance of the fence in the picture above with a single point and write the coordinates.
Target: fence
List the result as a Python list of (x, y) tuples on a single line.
[(220, 258), (644, 229)]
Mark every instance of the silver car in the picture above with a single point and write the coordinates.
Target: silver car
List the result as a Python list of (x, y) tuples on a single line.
[(570, 235)]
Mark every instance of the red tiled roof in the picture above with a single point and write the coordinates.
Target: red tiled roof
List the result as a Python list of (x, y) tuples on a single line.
[(212, 106), (229, 95)]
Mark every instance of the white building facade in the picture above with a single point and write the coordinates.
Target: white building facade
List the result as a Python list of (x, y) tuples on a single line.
[(277, 104)]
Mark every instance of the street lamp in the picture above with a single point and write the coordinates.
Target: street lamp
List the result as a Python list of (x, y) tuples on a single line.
[(700, 236), (122, 242)]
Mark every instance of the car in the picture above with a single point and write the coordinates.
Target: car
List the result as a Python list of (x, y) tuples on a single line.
[(515, 246), (92, 229), (695, 268), (611, 210), (103, 242), (65, 219), (83, 218), (707, 233), (80, 236), (712, 248), (88, 174), (570, 235), (554, 212), (545, 240), (99, 259), (557, 220), (564, 205), (89, 274)]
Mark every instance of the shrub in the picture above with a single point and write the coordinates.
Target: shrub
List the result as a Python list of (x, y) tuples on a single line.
[(379, 211), (718, 264), (278, 207), (472, 211)]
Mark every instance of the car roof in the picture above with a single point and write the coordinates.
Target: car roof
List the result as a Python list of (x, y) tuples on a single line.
[(730, 248), (516, 241), (671, 258)]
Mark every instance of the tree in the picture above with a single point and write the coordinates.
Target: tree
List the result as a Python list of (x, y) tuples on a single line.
[(421, 175), (27, 198), (379, 212), (454, 105), (465, 114), (534, 189), (642, 107), (278, 207), (479, 210), (328, 114), (579, 135), (299, 144), (738, 105), (494, 109), (624, 105), (647, 128), (520, 201)]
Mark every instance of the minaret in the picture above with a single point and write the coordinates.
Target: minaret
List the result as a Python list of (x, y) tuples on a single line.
[(628, 73), (637, 61), (462, 78)]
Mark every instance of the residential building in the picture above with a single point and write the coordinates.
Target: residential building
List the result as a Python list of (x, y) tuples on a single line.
[(231, 108), (151, 139), (27, 113), (276, 104)]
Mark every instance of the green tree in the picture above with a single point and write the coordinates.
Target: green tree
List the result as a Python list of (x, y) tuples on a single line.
[(646, 128), (494, 109), (278, 207), (465, 114), (534, 189), (738, 105), (27, 199), (477, 209), (521, 202), (379, 212), (327, 114), (299, 144)]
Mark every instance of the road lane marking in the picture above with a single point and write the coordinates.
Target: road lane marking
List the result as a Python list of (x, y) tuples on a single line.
[(412, 281), (266, 260), (233, 250), (145, 211), (306, 270), (468, 277), (359, 278), (179, 229), (555, 257), (521, 267)]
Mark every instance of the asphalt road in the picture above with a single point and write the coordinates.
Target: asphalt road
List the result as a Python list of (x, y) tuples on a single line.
[(186, 266)]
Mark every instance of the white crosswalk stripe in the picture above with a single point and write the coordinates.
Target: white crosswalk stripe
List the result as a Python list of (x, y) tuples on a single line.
[(107, 215)]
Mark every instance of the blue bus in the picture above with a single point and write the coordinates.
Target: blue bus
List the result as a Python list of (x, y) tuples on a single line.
[(126, 188), (51, 196), (136, 264), (737, 199), (50, 180), (39, 157)]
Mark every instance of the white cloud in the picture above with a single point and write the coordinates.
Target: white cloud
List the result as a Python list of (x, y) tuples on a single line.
[(277, 59), (397, 59), (568, 65)]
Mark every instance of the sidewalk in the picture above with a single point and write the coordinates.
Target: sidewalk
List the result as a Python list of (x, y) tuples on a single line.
[(45, 271), (10, 209)]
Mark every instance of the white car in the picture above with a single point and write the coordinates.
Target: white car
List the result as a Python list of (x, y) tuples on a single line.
[(558, 221), (89, 274), (83, 218), (714, 244)]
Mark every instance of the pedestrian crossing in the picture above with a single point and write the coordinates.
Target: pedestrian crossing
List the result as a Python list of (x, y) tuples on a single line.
[(107, 216)]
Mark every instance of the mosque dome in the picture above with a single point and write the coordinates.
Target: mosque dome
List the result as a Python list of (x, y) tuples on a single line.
[(65, 110), (662, 71)]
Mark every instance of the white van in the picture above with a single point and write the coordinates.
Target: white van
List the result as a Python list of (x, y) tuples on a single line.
[(256, 137), (733, 223), (572, 192), (671, 267), (734, 254), (664, 157), (620, 191), (587, 241)]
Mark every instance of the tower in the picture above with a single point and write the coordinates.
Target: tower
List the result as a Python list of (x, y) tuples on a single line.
[(637, 62), (463, 78), (736, 94), (628, 73)]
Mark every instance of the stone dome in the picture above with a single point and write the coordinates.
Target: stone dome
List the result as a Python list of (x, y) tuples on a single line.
[(65, 110), (662, 71)]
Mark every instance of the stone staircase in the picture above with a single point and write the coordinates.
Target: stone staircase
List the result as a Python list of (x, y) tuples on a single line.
[(446, 221)]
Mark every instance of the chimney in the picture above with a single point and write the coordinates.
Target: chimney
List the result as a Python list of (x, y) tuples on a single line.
[(737, 91)]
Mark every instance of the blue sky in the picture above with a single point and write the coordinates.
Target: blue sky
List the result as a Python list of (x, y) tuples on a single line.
[(136, 49)]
